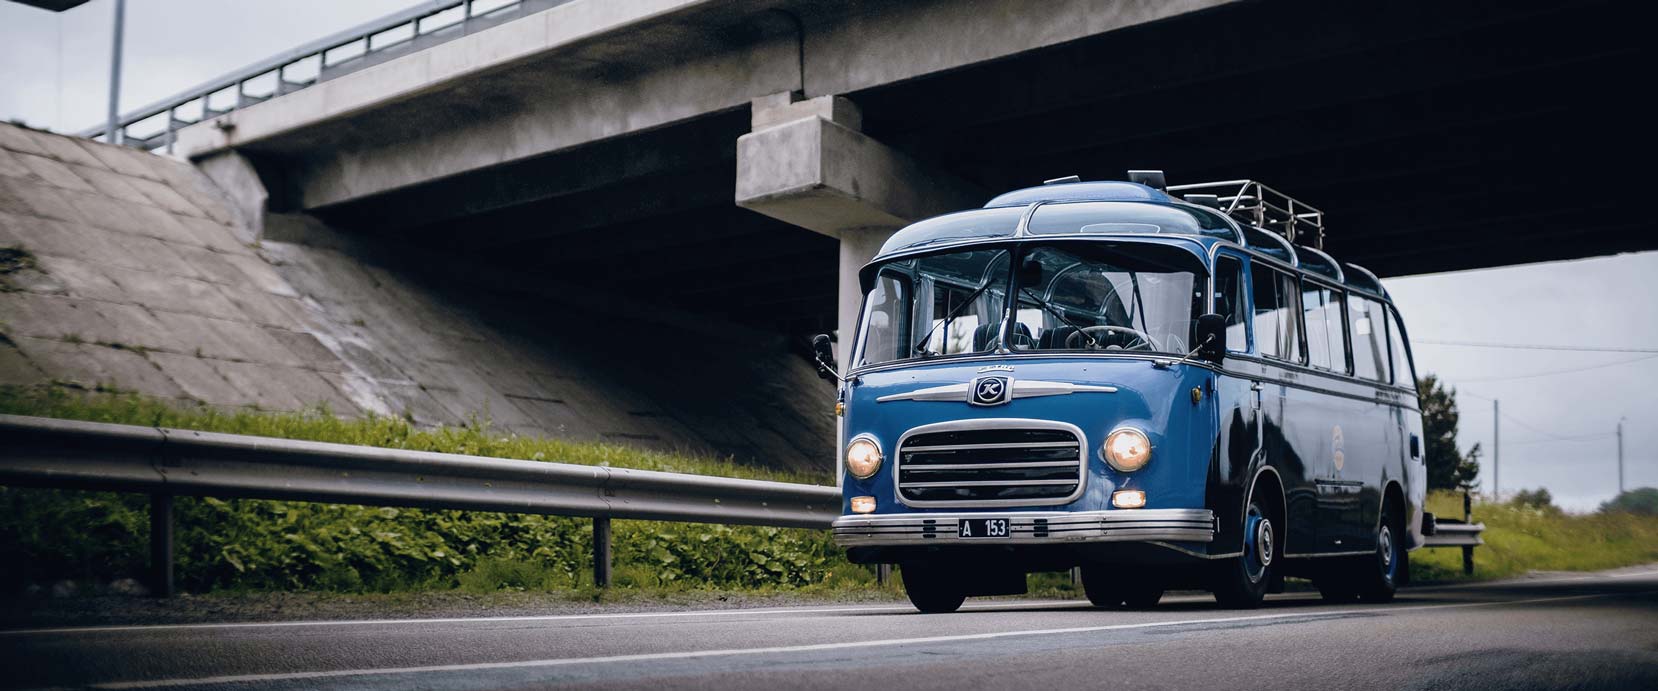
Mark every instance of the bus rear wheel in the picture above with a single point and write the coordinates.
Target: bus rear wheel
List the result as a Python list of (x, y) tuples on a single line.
[(930, 588), (1111, 588), (1379, 574), (1241, 582)]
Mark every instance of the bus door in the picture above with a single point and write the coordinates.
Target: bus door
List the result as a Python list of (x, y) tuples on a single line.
[(1276, 304)]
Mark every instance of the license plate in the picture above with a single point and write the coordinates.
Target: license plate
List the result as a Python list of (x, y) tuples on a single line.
[(982, 527)]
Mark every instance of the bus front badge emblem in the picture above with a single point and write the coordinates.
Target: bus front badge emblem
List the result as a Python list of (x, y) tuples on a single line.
[(991, 391)]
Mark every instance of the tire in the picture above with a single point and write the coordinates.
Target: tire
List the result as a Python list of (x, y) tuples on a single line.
[(931, 589), (1241, 582), (1378, 575), (1110, 588)]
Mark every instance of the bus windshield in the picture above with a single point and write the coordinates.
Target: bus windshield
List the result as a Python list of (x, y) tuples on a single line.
[(1067, 296)]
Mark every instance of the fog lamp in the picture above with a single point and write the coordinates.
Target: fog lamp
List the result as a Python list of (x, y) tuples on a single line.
[(863, 505), (1122, 499), (1127, 449), (863, 457)]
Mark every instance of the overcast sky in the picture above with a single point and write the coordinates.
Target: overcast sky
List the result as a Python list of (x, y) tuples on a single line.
[(1557, 425)]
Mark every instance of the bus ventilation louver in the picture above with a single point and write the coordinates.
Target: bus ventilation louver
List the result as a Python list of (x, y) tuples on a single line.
[(990, 466)]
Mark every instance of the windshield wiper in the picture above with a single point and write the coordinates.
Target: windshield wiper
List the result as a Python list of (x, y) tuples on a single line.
[(1050, 309), (920, 348)]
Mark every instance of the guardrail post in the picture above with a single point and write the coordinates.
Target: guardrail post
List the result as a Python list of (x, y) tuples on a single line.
[(1467, 517), (601, 551), (883, 573), (161, 545)]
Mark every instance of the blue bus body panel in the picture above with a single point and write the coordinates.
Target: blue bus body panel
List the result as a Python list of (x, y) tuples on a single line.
[(1156, 400)]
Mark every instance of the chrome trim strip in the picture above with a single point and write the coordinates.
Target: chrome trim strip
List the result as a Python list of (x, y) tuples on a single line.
[(948, 392), (1009, 445), (1119, 525), (1028, 388), (1358, 553), (992, 483), (994, 466), (1022, 388), (993, 424)]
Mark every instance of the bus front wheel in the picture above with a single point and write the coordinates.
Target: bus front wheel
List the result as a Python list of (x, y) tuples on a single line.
[(1241, 582), (930, 588)]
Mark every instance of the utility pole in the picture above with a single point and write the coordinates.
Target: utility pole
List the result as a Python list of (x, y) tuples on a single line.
[(1496, 468), (113, 130), (1620, 455)]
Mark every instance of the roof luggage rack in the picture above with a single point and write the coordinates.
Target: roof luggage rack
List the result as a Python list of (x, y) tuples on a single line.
[(1266, 208)]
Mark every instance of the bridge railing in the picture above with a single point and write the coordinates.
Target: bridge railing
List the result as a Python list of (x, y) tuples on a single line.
[(70, 454), (155, 126)]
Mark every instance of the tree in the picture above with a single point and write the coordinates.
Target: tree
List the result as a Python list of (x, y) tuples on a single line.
[(1448, 468), (1642, 501), (1535, 498)]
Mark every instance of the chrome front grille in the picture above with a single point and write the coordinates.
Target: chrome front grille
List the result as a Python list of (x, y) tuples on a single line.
[(991, 463)]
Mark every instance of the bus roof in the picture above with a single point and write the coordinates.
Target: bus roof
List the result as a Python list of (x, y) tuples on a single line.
[(1144, 210)]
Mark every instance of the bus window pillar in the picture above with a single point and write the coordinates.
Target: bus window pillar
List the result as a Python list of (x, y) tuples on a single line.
[(807, 163)]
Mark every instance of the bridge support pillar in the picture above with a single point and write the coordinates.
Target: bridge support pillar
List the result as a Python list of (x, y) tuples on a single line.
[(807, 163), (256, 207)]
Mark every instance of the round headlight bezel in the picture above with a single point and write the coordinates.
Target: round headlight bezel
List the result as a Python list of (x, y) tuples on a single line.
[(860, 442), (1112, 452)]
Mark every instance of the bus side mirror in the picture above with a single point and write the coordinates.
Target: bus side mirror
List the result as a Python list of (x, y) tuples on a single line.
[(1211, 337), (824, 352)]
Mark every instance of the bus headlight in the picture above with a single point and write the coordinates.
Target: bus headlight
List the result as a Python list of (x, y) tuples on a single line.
[(863, 457), (1127, 449)]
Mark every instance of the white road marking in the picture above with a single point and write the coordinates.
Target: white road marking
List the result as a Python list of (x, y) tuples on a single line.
[(814, 647), (534, 617), (1022, 604)]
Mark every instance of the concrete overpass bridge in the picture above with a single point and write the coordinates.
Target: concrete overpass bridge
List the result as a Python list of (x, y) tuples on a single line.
[(721, 167), (605, 143)]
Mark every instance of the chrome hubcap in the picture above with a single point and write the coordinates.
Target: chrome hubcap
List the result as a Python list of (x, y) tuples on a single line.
[(1385, 544), (1263, 542)]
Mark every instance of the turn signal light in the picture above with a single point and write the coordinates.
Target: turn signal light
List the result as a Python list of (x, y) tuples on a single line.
[(1122, 499)]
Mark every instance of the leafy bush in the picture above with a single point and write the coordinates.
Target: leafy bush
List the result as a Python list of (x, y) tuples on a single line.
[(1642, 501), (1534, 498)]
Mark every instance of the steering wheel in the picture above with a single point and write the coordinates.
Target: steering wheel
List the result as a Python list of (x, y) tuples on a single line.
[(1140, 340)]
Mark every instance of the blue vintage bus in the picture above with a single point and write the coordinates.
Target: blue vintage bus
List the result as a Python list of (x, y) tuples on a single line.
[(1168, 387)]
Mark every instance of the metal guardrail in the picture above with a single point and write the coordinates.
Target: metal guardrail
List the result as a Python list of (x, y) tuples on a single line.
[(69, 454), (422, 26), (1465, 534)]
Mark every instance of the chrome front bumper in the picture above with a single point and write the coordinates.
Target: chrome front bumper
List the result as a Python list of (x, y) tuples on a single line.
[(1030, 527)]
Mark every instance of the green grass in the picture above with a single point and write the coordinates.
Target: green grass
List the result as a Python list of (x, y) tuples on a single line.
[(1519, 539), (477, 438)]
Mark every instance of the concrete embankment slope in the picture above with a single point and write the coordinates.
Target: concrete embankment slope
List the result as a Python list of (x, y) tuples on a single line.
[(126, 270)]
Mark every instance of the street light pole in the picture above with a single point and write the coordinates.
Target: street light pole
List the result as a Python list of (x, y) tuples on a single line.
[(113, 130), (1496, 468), (1620, 455)]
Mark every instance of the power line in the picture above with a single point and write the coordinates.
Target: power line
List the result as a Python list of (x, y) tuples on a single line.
[(1551, 436), (1534, 346), (1558, 371)]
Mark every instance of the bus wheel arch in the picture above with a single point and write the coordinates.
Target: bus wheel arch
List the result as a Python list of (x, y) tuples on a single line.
[(1242, 581)]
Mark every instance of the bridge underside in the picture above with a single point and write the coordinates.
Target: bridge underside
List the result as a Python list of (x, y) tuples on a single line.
[(1437, 137)]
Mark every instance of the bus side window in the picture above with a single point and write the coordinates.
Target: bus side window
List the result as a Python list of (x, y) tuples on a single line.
[(1404, 373), (1370, 354), (1292, 345), (1229, 302), (1314, 303), (1269, 328)]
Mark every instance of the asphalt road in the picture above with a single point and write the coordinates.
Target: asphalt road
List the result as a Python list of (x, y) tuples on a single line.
[(1589, 631)]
